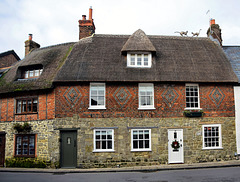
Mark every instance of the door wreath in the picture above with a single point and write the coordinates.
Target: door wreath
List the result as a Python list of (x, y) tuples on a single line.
[(175, 145)]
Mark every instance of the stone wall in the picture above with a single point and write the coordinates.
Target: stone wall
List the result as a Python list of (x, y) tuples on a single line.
[(48, 143)]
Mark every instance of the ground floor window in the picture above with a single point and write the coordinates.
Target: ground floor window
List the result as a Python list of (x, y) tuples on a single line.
[(141, 139), (25, 146), (212, 136), (103, 140)]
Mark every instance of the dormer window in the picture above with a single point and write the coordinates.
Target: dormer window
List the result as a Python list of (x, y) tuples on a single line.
[(139, 60), (32, 73)]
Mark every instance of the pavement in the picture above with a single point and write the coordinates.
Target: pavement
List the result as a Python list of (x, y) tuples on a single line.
[(164, 167)]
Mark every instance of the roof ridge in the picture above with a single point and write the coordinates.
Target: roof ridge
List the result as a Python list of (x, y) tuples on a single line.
[(51, 46)]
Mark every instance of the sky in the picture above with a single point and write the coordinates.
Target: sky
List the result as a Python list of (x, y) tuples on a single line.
[(56, 21)]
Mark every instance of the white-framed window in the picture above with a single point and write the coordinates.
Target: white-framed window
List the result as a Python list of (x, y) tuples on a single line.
[(103, 140), (146, 95), (33, 73), (141, 140), (212, 136), (192, 96), (97, 96), (139, 60)]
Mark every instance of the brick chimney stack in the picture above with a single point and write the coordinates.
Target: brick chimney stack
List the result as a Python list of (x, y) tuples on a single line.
[(86, 27), (214, 32), (30, 45)]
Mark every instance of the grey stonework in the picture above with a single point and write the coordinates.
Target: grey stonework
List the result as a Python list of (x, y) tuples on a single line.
[(48, 140)]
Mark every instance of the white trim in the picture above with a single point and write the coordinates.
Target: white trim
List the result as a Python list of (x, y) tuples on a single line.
[(192, 108), (148, 107), (101, 106), (94, 141), (220, 136), (142, 60), (237, 115), (144, 149)]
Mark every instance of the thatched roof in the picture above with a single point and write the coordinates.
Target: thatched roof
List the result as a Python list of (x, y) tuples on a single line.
[(177, 59), (99, 58), (138, 41), (50, 58)]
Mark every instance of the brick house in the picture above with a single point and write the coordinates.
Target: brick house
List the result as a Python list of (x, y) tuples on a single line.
[(7, 59), (125, 100)]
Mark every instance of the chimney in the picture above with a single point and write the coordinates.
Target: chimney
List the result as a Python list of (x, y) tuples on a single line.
[(30, 45), (214, 32), (86, 27)]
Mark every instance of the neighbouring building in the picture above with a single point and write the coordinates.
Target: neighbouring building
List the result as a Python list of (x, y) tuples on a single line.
[(7, 59), (120, 100)]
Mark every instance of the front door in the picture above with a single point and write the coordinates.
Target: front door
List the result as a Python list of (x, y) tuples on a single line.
[(68, 152), (175, 146), (2, 149)]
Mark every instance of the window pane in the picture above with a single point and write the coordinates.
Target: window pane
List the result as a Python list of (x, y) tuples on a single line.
[(36, 73), (104, 145), (146, 143), (31, 145), (31, 73), (97, 144), (132, 59), (26, 74), (24, 106), (19, 104), (19, 146), (145, 60), (97, 135), (135, 144), (100, 101), (29, 105), (109, 144), (94, 101), (34, 105), (139, 59), (141, 144)]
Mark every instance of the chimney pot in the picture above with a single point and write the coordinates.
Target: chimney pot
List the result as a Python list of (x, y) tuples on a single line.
[(90, 13), (29, 36), (212, 22), (83, 17)]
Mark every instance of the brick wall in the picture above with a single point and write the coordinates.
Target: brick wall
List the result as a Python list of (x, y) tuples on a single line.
[(122, 101), (46, 107), (7, 61)]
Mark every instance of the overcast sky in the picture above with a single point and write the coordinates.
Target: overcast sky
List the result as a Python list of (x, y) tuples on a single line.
[(56, 21)]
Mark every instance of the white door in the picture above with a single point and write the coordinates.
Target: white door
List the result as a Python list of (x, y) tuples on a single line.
[(175, 146)]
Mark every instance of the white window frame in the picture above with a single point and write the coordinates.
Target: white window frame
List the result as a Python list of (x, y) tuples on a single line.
[(190, 108), (140, 87), (141, 149), (95, 140), (90, 96), (142, 60), (219, 137)]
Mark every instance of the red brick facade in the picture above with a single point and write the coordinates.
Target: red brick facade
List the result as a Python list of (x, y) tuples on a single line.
[(46, 107), (122, 101)]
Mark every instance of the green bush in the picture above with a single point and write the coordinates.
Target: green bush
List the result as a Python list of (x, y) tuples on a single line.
[(26, 162)]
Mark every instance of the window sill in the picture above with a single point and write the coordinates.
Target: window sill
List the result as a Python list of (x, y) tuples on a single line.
[(213, 148), (96, 151), (26, 113), (142, 150), (146, 108), (187, 108), (92, 108)]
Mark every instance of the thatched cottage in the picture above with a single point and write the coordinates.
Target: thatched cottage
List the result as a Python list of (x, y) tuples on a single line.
[(119, 100)]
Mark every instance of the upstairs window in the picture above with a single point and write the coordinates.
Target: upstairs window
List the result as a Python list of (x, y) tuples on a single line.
[(34, 73), (146, 96), (192, 96), (139, 60), (26, 105), (97, 96)]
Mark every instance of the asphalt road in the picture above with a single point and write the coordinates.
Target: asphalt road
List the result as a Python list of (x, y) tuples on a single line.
[(231, 174)]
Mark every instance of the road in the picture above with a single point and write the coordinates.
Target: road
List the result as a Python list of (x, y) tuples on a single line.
[(231, 174)]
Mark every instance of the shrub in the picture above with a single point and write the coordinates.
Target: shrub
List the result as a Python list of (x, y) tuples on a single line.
[(26, 162)]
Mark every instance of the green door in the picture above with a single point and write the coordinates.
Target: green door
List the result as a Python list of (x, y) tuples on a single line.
[(68, 149)]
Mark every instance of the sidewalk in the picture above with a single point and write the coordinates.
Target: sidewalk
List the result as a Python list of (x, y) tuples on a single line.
[(233, 163)]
